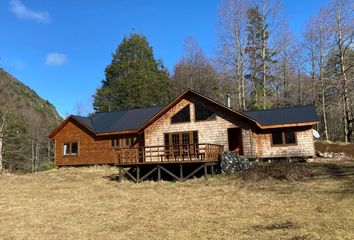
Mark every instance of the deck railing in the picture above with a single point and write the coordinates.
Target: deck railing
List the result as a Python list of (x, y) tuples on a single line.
[(169, 153)]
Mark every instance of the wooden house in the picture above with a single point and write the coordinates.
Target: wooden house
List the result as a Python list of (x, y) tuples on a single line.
[(190, 129)]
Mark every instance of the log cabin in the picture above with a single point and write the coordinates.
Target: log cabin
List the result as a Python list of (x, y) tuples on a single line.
[(190, 129)]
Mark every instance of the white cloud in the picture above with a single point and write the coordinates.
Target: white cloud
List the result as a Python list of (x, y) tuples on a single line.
[(22, 12), (55, 59)]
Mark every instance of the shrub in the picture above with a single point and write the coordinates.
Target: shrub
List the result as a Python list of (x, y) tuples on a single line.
[(48, 166)]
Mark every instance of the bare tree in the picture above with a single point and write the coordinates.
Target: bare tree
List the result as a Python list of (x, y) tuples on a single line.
[(194, 71), (344, 32), (318, 40), (232, 43), (287, 61), (3, 124)]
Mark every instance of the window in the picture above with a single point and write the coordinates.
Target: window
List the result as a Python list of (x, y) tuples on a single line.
[(290, 137), (71, 148), (66, 148), (181, 138), (182, 116), (277, 138), (179, 143), (287, 137), (115, 142), (202, 113), (127, 142), (123, 142)]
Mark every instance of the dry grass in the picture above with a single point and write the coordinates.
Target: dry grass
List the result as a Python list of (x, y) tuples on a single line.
[(79, 203)]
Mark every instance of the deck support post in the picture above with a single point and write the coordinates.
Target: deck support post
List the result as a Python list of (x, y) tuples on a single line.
[(158, 173), (181, 172), (205, 171), (170, 173), (194, 172), (137, 173), (120, 174), (148, 174), (212, 170)]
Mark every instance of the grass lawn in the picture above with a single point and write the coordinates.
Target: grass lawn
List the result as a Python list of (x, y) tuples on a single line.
[(81, 203)]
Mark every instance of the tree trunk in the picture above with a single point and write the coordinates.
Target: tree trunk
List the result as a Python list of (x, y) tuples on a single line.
[(285, 87), (264, 77), (299, 89), (2, 130), (313, 67), (38, 147), (32, 154), (49, 149), (321, 80), (1, 151), (344, 81), (243, 98)]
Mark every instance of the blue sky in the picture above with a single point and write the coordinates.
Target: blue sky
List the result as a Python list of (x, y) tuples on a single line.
[(61, 48)]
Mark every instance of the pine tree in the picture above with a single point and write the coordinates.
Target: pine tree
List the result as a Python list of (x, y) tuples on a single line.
[(133, 79), (260, 57)]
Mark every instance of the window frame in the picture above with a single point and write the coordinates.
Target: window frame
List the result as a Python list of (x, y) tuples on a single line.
[(283, 144), (124, 142), (189, 112), (213, 117), (70, 149), (169, 148)]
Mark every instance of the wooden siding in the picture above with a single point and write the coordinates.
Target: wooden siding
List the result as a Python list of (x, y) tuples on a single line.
[(304, 147), (92, 150), (209, 131)]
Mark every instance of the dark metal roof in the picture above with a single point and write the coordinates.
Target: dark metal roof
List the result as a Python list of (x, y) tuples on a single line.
[(288, 115), (120, 120)]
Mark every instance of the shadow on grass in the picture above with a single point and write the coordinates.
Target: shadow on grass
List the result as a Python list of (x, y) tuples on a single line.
[(343, 172), (276, 226)]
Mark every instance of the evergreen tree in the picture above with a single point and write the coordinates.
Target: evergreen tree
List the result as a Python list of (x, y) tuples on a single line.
[(133, 79), (260, 57)]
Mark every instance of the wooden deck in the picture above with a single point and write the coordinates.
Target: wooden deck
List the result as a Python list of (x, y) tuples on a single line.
[(177, 162), (202, 152)]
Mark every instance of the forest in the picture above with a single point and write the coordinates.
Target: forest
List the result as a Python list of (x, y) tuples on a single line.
[(258, 60)]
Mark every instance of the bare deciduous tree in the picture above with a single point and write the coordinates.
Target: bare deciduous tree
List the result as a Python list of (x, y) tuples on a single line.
[(344, 32), (194, 71), (232, 43)]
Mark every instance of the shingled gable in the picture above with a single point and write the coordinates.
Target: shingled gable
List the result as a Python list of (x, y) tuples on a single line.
[(190, 92), (136, 120)]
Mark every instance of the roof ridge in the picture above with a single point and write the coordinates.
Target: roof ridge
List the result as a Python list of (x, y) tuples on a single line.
[(118, 110), (271, 109)]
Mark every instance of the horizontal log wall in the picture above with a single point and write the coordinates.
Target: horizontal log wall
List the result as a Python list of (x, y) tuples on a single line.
[(303, 148), (92, 150)]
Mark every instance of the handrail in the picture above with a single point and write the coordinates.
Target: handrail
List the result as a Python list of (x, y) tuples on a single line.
[(168, 153)]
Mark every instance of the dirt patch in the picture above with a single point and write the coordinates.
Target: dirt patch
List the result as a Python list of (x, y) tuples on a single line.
[(347, 148), (280, 170)]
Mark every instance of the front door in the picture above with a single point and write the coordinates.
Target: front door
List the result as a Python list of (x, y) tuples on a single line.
[(234, 136)]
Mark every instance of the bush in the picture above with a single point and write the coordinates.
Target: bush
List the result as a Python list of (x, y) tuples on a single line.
[(280, 170), (48, 166)]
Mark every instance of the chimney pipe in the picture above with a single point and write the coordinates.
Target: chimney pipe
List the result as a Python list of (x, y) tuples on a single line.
[(228, 101)]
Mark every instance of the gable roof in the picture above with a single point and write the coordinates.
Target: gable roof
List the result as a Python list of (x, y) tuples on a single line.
[(136, 120), (194, 93), (285, 116), (120, 120)]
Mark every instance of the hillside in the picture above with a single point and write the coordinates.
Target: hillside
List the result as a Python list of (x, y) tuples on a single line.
[(14, 91), (29, 118), (84, 203)]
